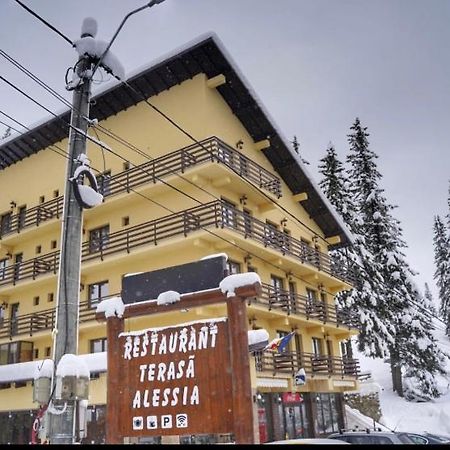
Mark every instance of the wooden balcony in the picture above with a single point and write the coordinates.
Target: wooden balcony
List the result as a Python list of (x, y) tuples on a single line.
[(292, 303), (177, 162), (205, 217), (291, 362), (30, 324)]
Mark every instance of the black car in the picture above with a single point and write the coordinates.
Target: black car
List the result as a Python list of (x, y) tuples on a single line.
[(429, 438), (368, 437)]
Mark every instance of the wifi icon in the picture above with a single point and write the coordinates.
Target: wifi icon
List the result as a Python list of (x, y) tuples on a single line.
[(181, 420)]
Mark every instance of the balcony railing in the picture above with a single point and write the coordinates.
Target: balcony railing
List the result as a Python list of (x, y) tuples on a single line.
[(210, 215), (209, 150), (292, 303), (291, 362), (29, 324)]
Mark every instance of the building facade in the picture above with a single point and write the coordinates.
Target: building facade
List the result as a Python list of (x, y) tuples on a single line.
[(218, 177)]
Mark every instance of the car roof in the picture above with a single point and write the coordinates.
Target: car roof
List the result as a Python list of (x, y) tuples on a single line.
[(309, 441)]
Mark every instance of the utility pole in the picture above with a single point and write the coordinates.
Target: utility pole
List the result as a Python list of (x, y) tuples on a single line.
[(62, 426)]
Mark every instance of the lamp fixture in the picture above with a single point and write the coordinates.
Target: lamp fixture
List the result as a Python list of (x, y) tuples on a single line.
[(243, 200), (4, 305), (240, 144), (283, 222), (12, 204)]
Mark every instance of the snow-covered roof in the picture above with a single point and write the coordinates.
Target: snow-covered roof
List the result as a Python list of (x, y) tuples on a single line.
[(9, 373), (204, 54)]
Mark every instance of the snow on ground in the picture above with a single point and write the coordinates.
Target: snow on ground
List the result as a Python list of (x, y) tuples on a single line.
[(401, 415)]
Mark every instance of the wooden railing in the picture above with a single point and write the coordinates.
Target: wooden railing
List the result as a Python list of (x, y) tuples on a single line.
[(29, 324), (204, 217), (292, 303), (209, 150), (291, 362)]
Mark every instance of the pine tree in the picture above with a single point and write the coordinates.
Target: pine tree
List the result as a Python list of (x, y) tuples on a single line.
[(412, 346), (296, 146), (7, 133), (375, 333), (428, 303), (441, 242)]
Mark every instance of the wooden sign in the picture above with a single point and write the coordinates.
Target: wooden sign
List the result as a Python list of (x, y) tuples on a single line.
[(176, 380)]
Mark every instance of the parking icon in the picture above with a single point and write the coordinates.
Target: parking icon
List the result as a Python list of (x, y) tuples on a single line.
[(166, 421)]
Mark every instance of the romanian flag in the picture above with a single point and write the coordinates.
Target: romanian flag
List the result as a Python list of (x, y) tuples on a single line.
[(279, 344)]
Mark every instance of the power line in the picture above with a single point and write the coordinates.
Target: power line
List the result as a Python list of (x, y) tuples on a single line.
[(47, 24), (124, 142)]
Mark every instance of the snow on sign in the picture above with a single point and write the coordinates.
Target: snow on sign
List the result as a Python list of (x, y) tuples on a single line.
[(177, 380)]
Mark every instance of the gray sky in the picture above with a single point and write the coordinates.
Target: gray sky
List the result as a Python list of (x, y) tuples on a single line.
[(315, 64)]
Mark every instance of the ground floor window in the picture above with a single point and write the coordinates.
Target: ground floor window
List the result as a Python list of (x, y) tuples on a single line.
[(15, 427), (328, 417)]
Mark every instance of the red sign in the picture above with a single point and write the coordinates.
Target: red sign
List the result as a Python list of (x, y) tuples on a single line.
[(177, 380), (292, 397)]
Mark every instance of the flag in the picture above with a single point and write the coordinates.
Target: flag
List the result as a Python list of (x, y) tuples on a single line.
[(300, 377), (279, 344)]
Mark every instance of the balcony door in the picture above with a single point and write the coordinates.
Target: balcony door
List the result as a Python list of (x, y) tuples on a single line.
[(14, 318)]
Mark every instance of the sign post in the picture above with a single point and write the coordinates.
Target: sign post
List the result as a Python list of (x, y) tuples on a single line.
[(191, 378)]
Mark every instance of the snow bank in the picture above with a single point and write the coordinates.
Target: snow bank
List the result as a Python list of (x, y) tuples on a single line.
[(44, 370), (215, 255), (112, 307), (168, 297), (229, 284), (257, 336), (72, 365)]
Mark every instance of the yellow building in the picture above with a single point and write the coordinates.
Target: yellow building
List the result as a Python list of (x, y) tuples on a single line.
[(218, 177)]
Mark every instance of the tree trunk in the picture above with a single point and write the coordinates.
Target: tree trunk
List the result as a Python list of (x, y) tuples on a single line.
[(396, 372)]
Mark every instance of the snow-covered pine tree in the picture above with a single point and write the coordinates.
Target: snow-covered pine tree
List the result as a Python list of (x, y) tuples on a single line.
[(441, 240), (296, 146), (375, 333), (413, 346), (429, 300), (7, 133)]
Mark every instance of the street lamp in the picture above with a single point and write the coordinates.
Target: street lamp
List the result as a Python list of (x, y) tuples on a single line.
[(148, 5)]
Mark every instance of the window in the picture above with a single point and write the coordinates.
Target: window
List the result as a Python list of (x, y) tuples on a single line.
[(277, 296), (311, 299), (16, 352), (21, 215), (125, 221), (13, 318), (47, 351), (55, 193), (228, 214), (36, 353), (5, 223), (42, 199), (50, 297), (98, 345), (233, 267), (97, 292), (36, 301), (103, 183), (18, 258), (293, 296), (53, 244), (98, 239), (317, 346), (248, 225), (126, 165), (38, 249), (3, 266), (270, 234)]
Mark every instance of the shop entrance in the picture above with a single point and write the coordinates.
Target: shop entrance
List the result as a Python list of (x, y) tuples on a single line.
[(295, 419)]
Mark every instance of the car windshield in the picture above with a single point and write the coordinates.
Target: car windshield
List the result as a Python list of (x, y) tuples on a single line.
[(405, 439)]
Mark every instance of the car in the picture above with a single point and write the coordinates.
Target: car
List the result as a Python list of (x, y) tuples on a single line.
[(428, 438), (369, 436), (308, 441)]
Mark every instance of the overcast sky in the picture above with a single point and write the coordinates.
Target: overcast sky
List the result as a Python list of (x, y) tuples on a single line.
[(315, 65)]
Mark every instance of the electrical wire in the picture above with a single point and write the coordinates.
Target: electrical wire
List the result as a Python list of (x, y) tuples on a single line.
[(180, 129), (122, 141), (44, 21)]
